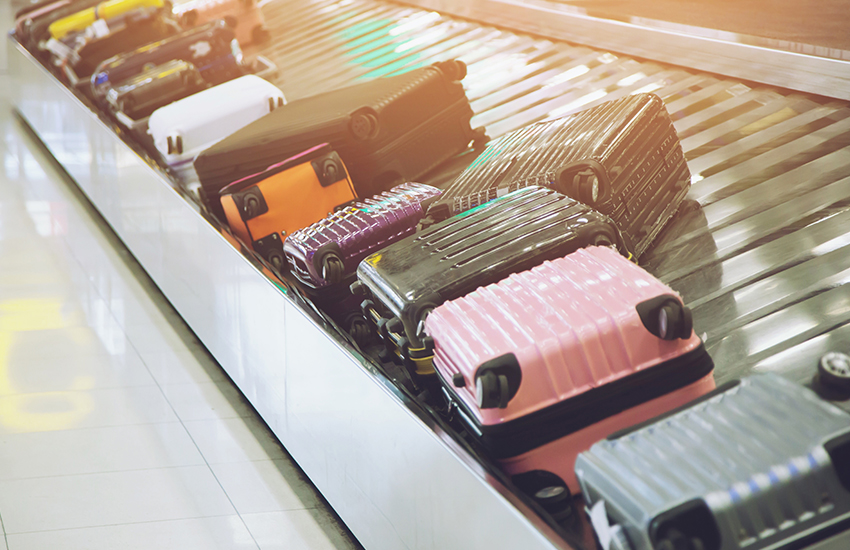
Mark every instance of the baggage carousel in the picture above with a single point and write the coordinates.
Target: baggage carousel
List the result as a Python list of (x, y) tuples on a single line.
[(761, 250)]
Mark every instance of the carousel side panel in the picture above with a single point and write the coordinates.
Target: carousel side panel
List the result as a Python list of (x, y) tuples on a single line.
[(394, 478)]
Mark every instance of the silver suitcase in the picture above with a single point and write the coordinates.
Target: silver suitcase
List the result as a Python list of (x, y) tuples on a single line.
[(758, 464)]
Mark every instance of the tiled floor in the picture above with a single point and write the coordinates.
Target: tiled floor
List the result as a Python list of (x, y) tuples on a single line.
[(117, 429)]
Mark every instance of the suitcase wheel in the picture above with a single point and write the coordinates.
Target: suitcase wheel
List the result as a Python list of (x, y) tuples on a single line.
[(492, 390), (454, 69), (175, 145), (602, 239), (548, 490), (359, 330), (363, 125), (665, 317), (834, 370), (276, 259), (333, 270)]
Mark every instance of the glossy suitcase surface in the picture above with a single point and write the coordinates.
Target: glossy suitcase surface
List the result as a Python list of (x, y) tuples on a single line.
[(386, 130), (265, 208), (155, 87), (24, 17), (210, 48), (329, 250), (138, 30), (548, 361), (622, 157), (763, 463), (104, 11), (454, 257), (244, 16), (33, 26), (186, 127)]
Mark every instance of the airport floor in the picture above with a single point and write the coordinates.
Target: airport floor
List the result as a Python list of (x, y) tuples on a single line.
[(117, 428)]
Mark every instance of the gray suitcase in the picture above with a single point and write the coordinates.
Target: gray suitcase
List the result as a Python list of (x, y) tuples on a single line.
[(758, 464)]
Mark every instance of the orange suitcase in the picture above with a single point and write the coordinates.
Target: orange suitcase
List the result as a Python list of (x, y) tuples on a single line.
[(263, 208)]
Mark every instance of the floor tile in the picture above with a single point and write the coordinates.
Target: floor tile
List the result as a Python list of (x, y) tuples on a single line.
[(68, 410), (182, 366), (298, 530), (207, 400), (97, 450), (28, 374), (266, 486), (234, 440), (68, 502), (218, 533), (151, 337)]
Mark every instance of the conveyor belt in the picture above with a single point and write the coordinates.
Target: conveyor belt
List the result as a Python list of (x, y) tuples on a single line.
[(763, 260)]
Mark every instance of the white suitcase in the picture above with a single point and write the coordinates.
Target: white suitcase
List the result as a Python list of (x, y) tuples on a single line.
[(181, 130)]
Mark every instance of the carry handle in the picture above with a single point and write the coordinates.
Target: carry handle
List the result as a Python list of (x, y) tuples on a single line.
[(591, 189)]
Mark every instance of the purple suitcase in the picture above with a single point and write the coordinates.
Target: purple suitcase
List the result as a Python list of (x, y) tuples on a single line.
[(329, 250)]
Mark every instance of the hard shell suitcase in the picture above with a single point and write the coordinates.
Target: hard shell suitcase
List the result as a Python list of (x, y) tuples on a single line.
[(545, 362), (155, 87), (211, 48), (104, 11), (244, 16), (329, 251), (138, 30), (25, 17), (265, 208), (518, 231), (761, 463), (623, 158), (186, 127), (386, 130)]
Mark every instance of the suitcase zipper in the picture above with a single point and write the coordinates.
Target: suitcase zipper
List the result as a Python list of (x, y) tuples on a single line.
[(540, 427)]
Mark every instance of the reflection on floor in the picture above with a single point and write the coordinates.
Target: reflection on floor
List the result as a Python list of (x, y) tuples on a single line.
[(117, 429)]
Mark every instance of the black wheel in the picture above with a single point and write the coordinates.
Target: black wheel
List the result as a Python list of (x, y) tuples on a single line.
[(276, 259), (333, 269), (669, 321), (589, 189), (602, 239), (358, 288), (834, 370), (548, 490), (259, 35), (492, 390), (363, 126), (359, 331), (189, 18)]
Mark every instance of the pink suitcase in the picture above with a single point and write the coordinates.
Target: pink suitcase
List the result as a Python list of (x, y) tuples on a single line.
[(543, 364)]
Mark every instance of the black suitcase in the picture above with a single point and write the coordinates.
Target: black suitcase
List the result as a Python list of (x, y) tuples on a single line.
[(513, 233), (210, 48), (31, 27), (139, 30), (623, 158), (385, 130), (155, 87)]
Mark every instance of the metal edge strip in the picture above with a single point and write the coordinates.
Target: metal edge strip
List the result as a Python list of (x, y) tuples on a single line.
[(792, 70), (396, 480)]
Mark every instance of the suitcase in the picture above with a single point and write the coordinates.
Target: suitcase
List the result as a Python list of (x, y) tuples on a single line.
[(547, 361), (138, 97), (25, 16), (186, 127), (761, 463), (406, 280), (31, 27), (264, 208), (329, 251), (623, 158), (243, 16), (387, 131), (104, 11), (212, 49), (139, 29)]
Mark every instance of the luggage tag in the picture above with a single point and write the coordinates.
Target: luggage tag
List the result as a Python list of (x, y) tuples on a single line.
[(98, 29), (610, 537)]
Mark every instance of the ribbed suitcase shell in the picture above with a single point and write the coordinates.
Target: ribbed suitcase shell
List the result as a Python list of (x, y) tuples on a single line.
[(386, 130), (632, 140), (141, 95), (33, 27), (216, 61), (296, 193), (510, 234), (208, 116), (759, 465), (77, 22), (24, 17), (579, 342), (356, 231)]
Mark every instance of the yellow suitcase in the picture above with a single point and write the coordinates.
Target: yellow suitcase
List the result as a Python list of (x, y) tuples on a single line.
[(77, 22)]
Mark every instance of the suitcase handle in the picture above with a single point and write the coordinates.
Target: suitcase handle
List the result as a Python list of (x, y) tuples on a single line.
[(591, 189)]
